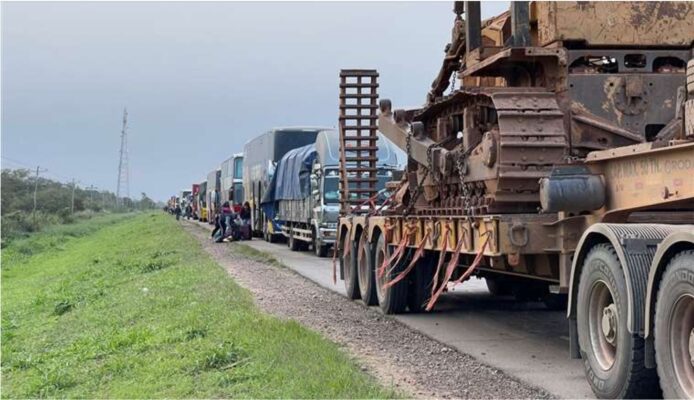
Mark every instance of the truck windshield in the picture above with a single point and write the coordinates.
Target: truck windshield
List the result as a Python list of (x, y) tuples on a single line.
[(331, 189), (331, 185)]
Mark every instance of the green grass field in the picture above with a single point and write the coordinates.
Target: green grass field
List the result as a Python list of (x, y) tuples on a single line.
[(131, 307)]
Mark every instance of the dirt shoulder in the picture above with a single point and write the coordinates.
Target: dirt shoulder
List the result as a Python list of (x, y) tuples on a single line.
[(397, 355)]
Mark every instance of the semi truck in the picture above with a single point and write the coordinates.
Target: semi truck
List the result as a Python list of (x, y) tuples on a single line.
[(212, 198), (303, 196), (260, 157), (559, 167), (232, 180)]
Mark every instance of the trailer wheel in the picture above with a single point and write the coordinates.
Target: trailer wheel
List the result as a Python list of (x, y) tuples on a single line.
[(674, 328), (421, 280), (349, 268), (392, 300), (367, 277), (613, 358)]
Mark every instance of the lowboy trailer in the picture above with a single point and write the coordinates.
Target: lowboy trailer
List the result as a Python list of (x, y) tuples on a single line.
[(550, 174)]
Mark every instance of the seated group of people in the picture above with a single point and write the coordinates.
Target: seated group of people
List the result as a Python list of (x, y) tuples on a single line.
[(232, 223)]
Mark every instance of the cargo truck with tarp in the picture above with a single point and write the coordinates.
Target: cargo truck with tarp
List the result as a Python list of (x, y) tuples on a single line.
[(261, 154), (303, 196)]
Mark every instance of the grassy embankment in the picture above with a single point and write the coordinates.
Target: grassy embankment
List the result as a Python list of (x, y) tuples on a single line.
[(131, 307)]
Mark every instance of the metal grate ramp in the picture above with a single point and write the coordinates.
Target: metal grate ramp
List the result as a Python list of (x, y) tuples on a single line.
[(358, 146)]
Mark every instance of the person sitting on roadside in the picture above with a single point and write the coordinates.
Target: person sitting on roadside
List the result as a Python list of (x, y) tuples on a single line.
[(245, 213), (219, 228)]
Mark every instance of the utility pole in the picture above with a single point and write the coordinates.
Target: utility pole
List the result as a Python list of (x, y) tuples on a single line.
[(123, 188), (36, 187), (72, 206)]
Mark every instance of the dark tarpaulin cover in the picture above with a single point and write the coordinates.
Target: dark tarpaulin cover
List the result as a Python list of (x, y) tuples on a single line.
[(291, 180)]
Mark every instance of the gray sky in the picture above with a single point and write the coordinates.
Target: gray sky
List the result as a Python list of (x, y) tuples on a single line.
[(198, 79)]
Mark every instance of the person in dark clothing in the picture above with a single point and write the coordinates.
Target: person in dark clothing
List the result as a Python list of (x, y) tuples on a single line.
[(219, 228), (245, 217), (245, 212), (189, 212), (177, 211)]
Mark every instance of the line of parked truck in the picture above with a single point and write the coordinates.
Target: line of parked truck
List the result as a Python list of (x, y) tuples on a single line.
[(559, 167), (290, 179)]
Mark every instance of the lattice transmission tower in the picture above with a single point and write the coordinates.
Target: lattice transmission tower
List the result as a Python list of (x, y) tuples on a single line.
[(123, 188)]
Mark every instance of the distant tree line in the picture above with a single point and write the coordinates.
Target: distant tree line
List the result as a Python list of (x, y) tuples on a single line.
[(55, 203)]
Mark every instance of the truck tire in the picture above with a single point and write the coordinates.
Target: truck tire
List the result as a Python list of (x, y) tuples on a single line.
[(613, 358), (294, 245), (349, 268), (367, 277), (674, 328), (421, 279), (498, 285), (320, 250), (392, 300)]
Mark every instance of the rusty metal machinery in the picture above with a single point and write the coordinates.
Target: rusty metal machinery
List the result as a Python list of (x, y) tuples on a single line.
[(535, 95), (564, 149)]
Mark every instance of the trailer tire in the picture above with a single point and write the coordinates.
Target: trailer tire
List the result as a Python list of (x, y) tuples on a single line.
[(674, 328), (392, 300), (421, 280), (349, 268), (367, 277), (612, 356)]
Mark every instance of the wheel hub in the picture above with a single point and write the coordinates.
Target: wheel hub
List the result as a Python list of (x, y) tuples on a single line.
[(691, 347), (609, 323)]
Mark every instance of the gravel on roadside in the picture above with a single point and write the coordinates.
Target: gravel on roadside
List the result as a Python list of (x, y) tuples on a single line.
[(395, 354)]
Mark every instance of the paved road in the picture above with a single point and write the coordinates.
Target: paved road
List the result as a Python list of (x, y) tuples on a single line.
[(524, 340)]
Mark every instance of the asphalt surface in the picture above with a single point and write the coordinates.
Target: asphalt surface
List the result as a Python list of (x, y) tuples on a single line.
[(522, 339)]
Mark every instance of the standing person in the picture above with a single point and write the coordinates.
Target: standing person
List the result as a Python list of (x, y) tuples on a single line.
[(177, 211)]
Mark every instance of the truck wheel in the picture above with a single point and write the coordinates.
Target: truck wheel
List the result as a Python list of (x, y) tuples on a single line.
[(349, 269), (321, 251), (498, 285), (421, 280), (367, 277), (392, 300), (674, 328), (613, 358), (294, 245)]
